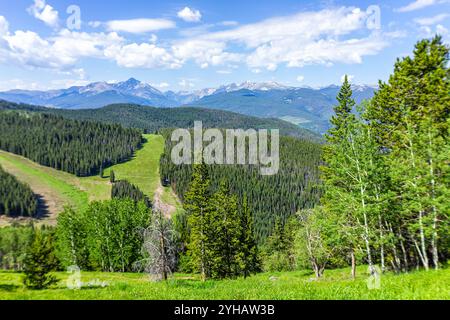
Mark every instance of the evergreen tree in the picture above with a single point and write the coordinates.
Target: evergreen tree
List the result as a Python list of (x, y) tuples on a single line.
[(39, 262), (225, 230), (197, 206), (278, 251), (342, 113), (112, 176), (248, 251)]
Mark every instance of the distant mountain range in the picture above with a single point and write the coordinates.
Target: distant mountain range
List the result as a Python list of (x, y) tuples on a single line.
[(306, 107)]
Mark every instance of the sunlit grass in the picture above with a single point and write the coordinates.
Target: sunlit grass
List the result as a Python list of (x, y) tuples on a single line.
[(299, 285)]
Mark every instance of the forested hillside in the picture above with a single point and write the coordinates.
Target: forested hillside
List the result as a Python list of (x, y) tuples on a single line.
[(16, 198), (79, 147), (296, 185), (152, 119)]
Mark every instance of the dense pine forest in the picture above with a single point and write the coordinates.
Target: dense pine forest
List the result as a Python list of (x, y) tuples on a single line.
[(153, 120), (16, 198), (296, 186), (80, 147)]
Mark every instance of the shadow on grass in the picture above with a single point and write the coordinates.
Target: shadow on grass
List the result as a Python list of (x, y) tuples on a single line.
[(191, 283), (9, 287)]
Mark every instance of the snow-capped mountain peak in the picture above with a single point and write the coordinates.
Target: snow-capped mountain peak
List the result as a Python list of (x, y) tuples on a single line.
[(248, 85)]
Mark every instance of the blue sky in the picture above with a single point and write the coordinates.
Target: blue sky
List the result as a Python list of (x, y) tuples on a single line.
[(190, 45)]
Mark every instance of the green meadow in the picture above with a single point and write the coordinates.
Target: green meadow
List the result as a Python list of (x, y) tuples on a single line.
[(297, 285)]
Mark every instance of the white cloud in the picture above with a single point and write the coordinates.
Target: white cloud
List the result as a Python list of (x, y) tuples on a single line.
[(153, 38), (144, 55), (204, 52), (419, 4), (44, 12), (431, 20), (224, 71), (350, 77), (163, 85), (139, 25), (440, 29), (189, 15), (60, 52), (300, 78), (429, 31), (67, 83), (229, 23), (186, 84), (94, 24), (297, 40)]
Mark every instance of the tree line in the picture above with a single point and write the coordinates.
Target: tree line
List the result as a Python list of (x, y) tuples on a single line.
[(152, 120), (16, 198), (82, 148)]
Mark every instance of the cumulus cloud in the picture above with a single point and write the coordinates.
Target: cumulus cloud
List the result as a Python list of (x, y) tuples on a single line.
[(187, 84), (44, 12), (189, 15), (429, 31), (300, 78), (229, 23), (59, 52), (163, 85), (94, 24), (297, 40), (224, 71), (419, 4), (204, 52), (139, 25), (432, 20), (144, 55)]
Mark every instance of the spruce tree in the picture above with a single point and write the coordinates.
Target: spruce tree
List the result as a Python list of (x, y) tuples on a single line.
[(39, 262), (225, 230), (198, 210), (342, 112), (248, 250), (112, 176)]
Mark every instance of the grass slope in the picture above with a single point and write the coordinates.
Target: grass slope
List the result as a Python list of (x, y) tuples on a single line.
[(143, 171), (285, 286)]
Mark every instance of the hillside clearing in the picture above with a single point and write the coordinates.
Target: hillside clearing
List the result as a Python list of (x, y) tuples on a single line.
[(143, 171), (58, 189)]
